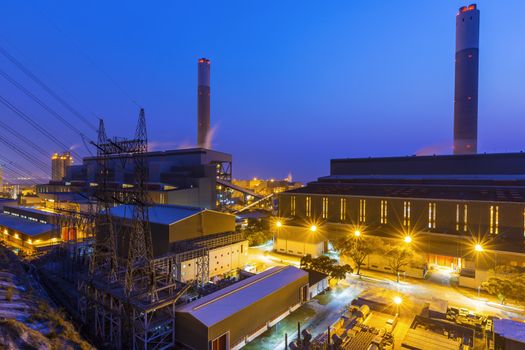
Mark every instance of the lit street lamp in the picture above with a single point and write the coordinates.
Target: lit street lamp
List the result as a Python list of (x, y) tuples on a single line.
[(478, 248), (313, 228), (397, 300), (357, 233), (407, 239)]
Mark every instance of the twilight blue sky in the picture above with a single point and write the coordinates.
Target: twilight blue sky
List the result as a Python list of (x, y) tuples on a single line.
[(294, 83)]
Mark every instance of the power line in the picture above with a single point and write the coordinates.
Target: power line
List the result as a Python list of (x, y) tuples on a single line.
[(29, 157), (24, 139), (34, 124), (43, 77), (43, 105), (18, 174), (40, 102), (45, 87), (17, 166)]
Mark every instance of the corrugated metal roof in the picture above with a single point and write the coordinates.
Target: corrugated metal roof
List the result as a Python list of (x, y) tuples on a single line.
[(160, 214), (24, 226), (510, 329), (226, 302)]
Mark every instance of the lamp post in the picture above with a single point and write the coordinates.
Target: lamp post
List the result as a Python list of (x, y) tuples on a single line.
[(478, 248), (397, 300), (278, 225)]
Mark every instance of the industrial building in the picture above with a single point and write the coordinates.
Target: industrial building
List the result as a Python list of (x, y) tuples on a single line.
[(59, 165), (466, 81), (235, 315), (463, 212), (196, 177), (317, 283), (28, 228), (509, 334), (193, 238)]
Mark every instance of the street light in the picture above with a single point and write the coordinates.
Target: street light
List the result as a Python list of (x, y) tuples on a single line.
[(278, 223), (397, 300), (313, 228), (357, 233), (478, 247), (407, 239)]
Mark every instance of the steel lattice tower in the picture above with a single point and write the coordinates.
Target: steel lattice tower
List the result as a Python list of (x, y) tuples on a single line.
[(139, 269), (104, 259)]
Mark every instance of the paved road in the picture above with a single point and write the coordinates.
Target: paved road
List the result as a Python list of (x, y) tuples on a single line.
[(318, 314)]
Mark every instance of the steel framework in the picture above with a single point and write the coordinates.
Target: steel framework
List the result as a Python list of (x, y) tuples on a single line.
[(128, 301)]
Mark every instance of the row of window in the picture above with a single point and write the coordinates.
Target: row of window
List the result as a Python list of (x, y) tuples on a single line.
[(461, 213)]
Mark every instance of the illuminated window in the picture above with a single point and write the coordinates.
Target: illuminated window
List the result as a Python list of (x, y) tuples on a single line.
[(431, 215), (406, 213), (292, 205), (308, 206), (494, 219), (325, 208), (362, 210), (384, 211), (343, 209), (457, 217), (465, 217)]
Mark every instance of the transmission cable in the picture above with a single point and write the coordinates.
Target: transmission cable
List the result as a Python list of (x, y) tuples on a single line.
[(34, 124), (50, 91), (42, 104), (16, 166), (24, 139), (29, 157)]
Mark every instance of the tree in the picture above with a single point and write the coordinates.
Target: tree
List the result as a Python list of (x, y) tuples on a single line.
[(325, 265), (502, 288), (399, 257), (306, 262), (357, 249), (339, 271), (508, 283)]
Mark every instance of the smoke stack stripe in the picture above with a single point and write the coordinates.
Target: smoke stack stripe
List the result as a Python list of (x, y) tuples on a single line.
[(203, 102), (466, 81)]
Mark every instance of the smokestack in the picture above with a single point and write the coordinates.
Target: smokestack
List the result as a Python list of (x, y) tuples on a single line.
[(203, 102), (466, 81)]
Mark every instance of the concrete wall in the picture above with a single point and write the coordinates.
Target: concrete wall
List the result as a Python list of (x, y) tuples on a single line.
[(475, 281), (317, 288), (221, 261), (287, 246), (190, 332), (378, 262)]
